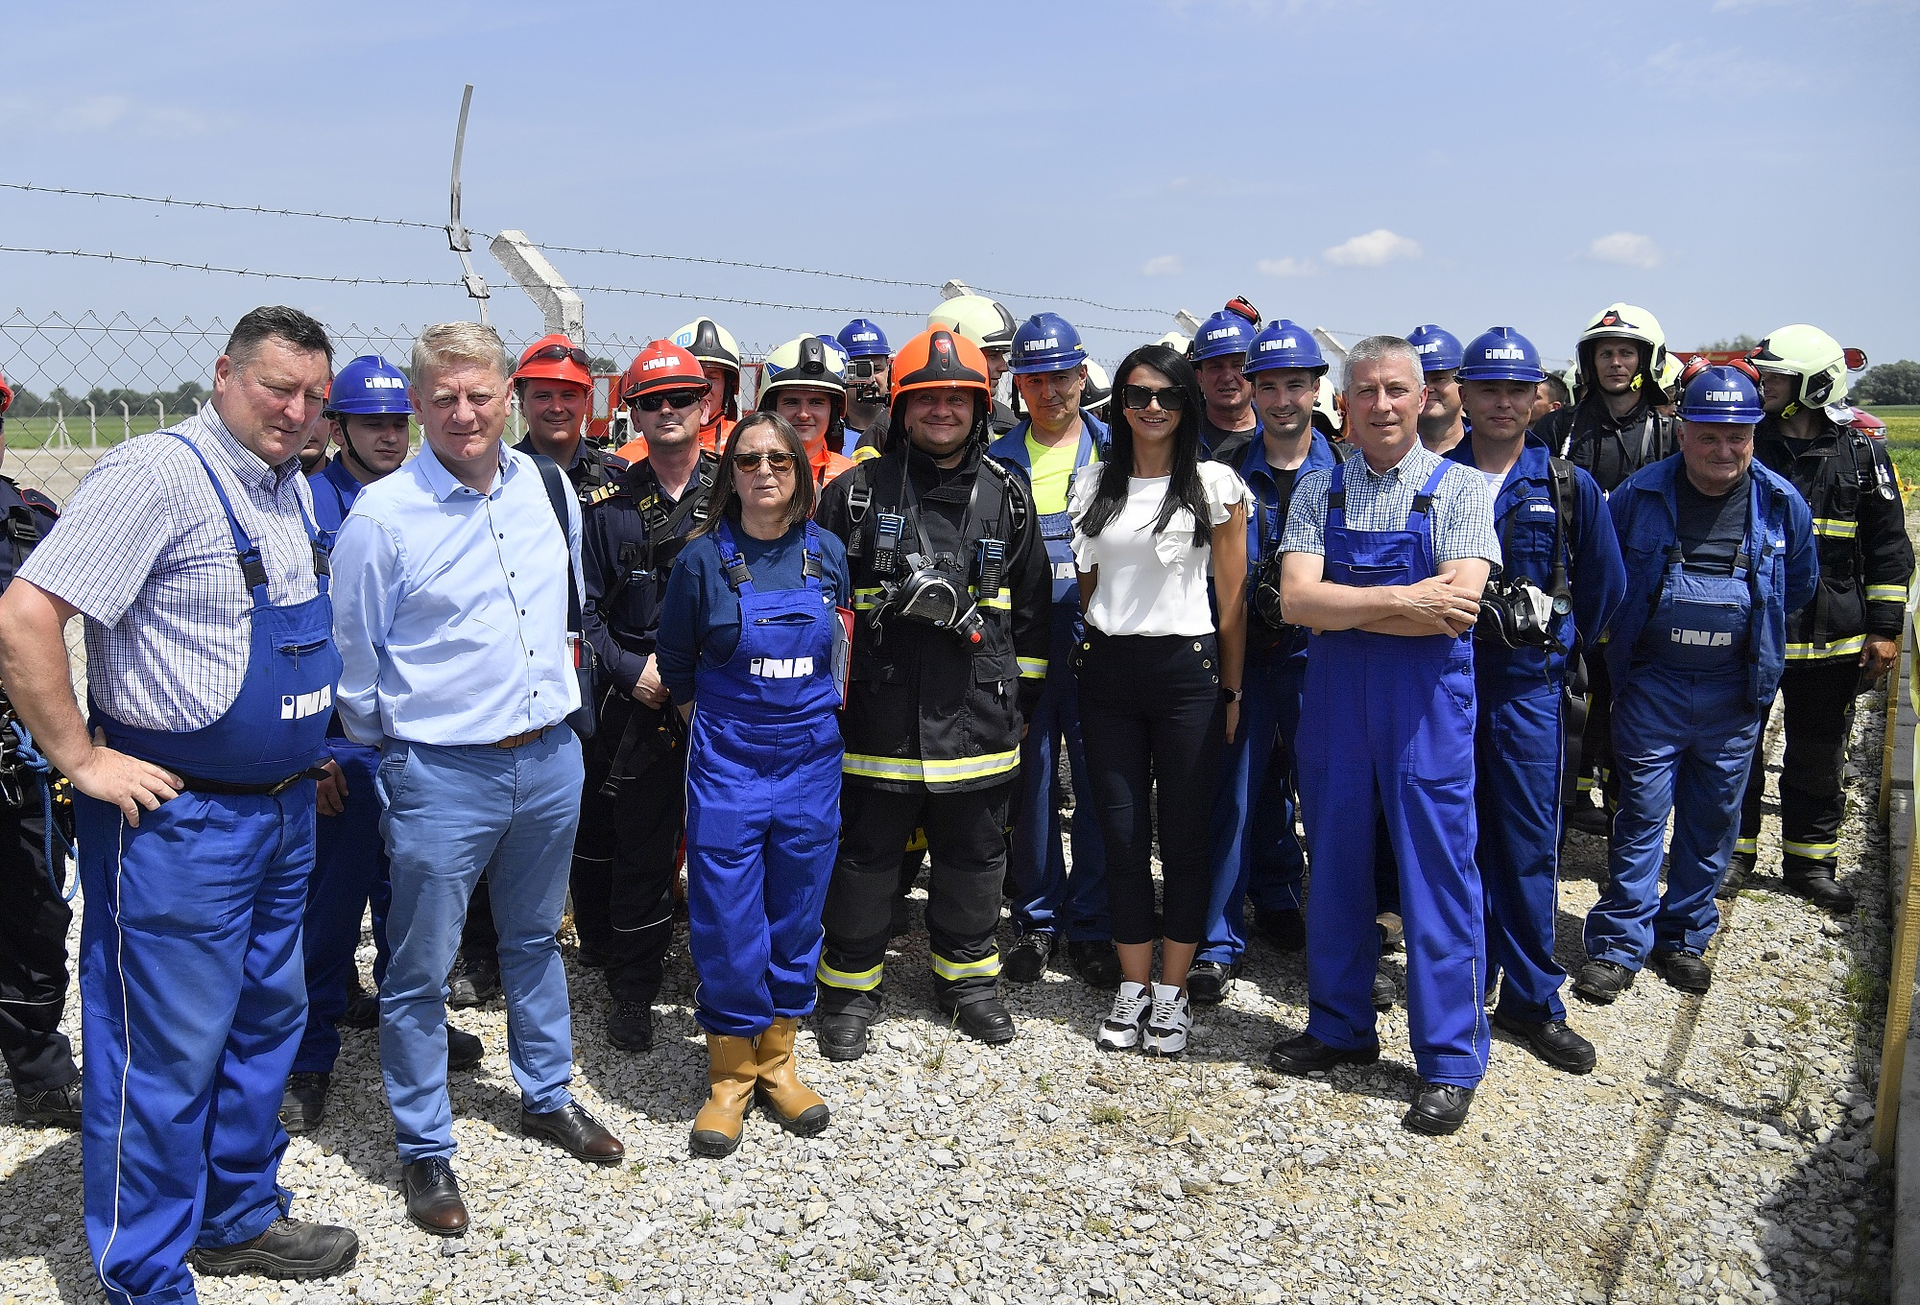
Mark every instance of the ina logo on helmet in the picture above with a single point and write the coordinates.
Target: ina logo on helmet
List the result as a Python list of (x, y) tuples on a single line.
[(384, 383), (1285, 342), (1506, 353), (1033, 346)]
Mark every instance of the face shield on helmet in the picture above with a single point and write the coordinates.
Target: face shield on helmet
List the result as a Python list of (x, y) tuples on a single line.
[(813, 364), (1814, 358), (712, 345), (1625, 322)]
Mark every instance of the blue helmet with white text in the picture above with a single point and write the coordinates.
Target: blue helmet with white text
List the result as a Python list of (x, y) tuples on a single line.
[(1281, 343), (368, 384), (1046, 342), (1727, 395), (1502, 354), (861, 338), (1439, 349), (1227, 332)]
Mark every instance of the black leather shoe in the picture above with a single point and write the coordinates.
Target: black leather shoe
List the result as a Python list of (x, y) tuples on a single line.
[(1821, 890), (842, 1036), (1027, 959), (56, 1107), (473, 982), (1589, 819), (1439, 1109), (1384, 990), (305, 1102), (1602, 981), (630, 1025), (987, 1020), (578, 1132), (1552, 1041), (1285, 928), (1095, 963), (1209, 982), (1684, 970), (287, 1249), (464, 1051), (1306, 1054), (1739, 867), (433, 1197), (362, 1012)]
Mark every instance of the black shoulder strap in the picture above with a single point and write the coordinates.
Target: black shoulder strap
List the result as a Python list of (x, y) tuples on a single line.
[(558, 491), (1560, 482)]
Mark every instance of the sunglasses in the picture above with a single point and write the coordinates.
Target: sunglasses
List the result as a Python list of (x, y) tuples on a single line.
[(675, 398), (778, 463), (1171, 399), (555, 352)]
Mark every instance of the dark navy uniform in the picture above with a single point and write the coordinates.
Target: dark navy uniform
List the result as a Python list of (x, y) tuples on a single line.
[(33, 919), (625, 855)]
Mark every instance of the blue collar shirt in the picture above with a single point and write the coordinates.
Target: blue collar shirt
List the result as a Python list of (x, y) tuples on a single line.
[(450, 606)]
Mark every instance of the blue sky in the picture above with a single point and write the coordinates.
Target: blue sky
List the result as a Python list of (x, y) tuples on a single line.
[(1361, 166)]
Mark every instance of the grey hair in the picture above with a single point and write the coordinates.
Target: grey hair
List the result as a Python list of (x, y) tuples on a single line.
[(459, 342), (1379, 348)]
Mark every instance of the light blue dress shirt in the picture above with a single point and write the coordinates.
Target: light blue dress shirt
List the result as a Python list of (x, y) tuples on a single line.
[(450, 606)]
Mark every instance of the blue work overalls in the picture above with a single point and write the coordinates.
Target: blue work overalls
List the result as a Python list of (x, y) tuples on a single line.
[(350, 860), (1253, 845), (763, 803), (1387, 724), (1684, 729), (190, 975), (1045, 894)]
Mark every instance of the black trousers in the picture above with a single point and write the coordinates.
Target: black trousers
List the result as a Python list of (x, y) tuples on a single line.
[(1151, 711), (1819, 720), (33, 954), (627, 854), (1596, 737), (966, 843)]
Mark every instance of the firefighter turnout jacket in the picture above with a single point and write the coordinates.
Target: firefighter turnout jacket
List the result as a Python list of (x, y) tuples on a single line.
[(1588, 435)]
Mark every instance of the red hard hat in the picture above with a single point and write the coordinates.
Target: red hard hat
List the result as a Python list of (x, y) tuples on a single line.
[(554, 358), (662, 365), (6, 393)]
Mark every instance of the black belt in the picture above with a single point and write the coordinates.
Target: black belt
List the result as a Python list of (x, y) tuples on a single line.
[(221, 788)]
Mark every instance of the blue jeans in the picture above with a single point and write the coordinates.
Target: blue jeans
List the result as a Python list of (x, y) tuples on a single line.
[(1682, 743), (451, 813)]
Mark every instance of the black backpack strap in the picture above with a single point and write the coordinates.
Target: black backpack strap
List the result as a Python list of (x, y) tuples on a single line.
[(1560, 483), (558, 491)]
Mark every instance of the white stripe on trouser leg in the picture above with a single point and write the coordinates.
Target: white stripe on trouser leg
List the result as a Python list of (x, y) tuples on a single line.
[(126, 1037)]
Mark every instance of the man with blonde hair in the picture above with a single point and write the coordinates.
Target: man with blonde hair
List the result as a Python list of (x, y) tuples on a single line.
[(453, 577)]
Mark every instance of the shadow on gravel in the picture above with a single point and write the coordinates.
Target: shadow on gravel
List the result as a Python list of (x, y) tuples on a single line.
[(44, 1186)]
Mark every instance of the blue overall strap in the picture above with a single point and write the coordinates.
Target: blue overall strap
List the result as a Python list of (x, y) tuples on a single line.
[(732, 564), (1337, 498), (322, 544), (1423, 501), (811, 567), (251, 566)]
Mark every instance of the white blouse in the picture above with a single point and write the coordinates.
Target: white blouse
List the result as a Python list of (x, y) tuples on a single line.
[(1150, 584)]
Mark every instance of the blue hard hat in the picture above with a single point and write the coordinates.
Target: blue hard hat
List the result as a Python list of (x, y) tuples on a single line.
[(1226, 332), (861, 338), (1046, 342), (1279, 344), (1721, 394), (1439, 350), (1502, 354), (368, 384)]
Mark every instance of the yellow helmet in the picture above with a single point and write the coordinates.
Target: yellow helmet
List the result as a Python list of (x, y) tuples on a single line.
[(978, 318), (1810, 354), (1626, 322)]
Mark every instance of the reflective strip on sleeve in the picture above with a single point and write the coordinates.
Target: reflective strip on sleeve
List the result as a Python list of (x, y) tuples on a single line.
[(1834, 527), (1750, 846), (1033, 668), (900, 768), (864, 981), (984, 968), (1811, 851), (1806, 652), (955, 770), (1001, 602), (1887, 594)]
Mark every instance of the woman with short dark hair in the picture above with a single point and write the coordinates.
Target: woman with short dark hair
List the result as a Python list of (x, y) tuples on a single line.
[(750, 644), (1157, 533)]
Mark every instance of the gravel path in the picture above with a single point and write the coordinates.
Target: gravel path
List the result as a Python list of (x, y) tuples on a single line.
[(1718, 1153)]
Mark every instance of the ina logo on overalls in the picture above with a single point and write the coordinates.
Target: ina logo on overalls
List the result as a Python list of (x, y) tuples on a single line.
[(1703, 638), (782, 668), (306, 704)]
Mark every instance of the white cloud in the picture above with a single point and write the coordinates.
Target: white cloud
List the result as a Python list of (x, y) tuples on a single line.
[(97, 113), (1165, 265), (1288, 266), (1373, 249), (1627, 249)]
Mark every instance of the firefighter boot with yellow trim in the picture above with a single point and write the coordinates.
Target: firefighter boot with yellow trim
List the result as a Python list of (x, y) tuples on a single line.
[(731, 1069), (780, 1091)]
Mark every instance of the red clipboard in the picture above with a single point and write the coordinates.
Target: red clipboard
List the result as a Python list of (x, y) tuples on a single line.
[(842, 651)]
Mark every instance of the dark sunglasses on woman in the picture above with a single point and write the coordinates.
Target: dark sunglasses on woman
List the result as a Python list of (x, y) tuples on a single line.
[(778, 463), (1171, 399)]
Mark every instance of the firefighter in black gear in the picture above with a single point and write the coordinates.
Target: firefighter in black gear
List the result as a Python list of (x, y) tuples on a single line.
[(1619, 425), (625, 858), (33, 918), (953, 599), (1848, 636)]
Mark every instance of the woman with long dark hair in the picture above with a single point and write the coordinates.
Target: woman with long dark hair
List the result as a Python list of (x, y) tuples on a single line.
[(1154, 525), (747, 645)]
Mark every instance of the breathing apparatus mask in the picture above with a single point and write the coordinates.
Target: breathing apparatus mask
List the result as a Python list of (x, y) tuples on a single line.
[(1520, 614), (928, 592)]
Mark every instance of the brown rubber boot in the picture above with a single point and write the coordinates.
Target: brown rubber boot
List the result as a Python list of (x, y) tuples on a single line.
[(730, 1077), (779, 1091)]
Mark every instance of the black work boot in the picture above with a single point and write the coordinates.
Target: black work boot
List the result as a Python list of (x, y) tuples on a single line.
[(630, 1025), (1684, 970), (1602, 981), (841, 1020), (54, 1107), (1739, 867), (475, 981), (1818, 887), (1027, 959), (305, 1102)]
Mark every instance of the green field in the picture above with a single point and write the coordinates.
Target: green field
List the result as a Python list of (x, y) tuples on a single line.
[(1903, 442), (37, 432)]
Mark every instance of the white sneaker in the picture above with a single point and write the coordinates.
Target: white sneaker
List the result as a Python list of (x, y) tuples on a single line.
[(1127, 1018), (1168, 1022)]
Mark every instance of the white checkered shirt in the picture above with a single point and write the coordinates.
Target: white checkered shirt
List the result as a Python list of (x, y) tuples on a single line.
[(1461, 516), (144, 551)]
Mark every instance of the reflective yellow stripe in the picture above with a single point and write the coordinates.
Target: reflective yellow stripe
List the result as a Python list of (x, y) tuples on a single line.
[(1812, 851), (1886, 593), (1804, 652), (865, 599), (1003, 602), (1751, 846), (864, 981), (903, 768), (984, 968), (954, 769), (1584, 784), (1033, 668), (1834, 527)]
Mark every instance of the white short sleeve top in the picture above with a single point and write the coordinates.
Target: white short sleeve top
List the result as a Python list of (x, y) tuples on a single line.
[(1153, 584)]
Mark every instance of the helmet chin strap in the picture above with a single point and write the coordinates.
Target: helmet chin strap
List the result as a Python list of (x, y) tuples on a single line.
[(346, 440)]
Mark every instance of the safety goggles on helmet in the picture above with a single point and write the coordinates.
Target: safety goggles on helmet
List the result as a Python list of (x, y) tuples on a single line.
[(558, 352), (1140, 397), (1700, 362), (671, 398), (779, 462)]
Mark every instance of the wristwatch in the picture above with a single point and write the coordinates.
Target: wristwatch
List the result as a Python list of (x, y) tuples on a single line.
[(1232, 695)]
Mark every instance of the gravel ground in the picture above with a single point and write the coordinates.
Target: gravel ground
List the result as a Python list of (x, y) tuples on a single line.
[(1718, 1153)]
